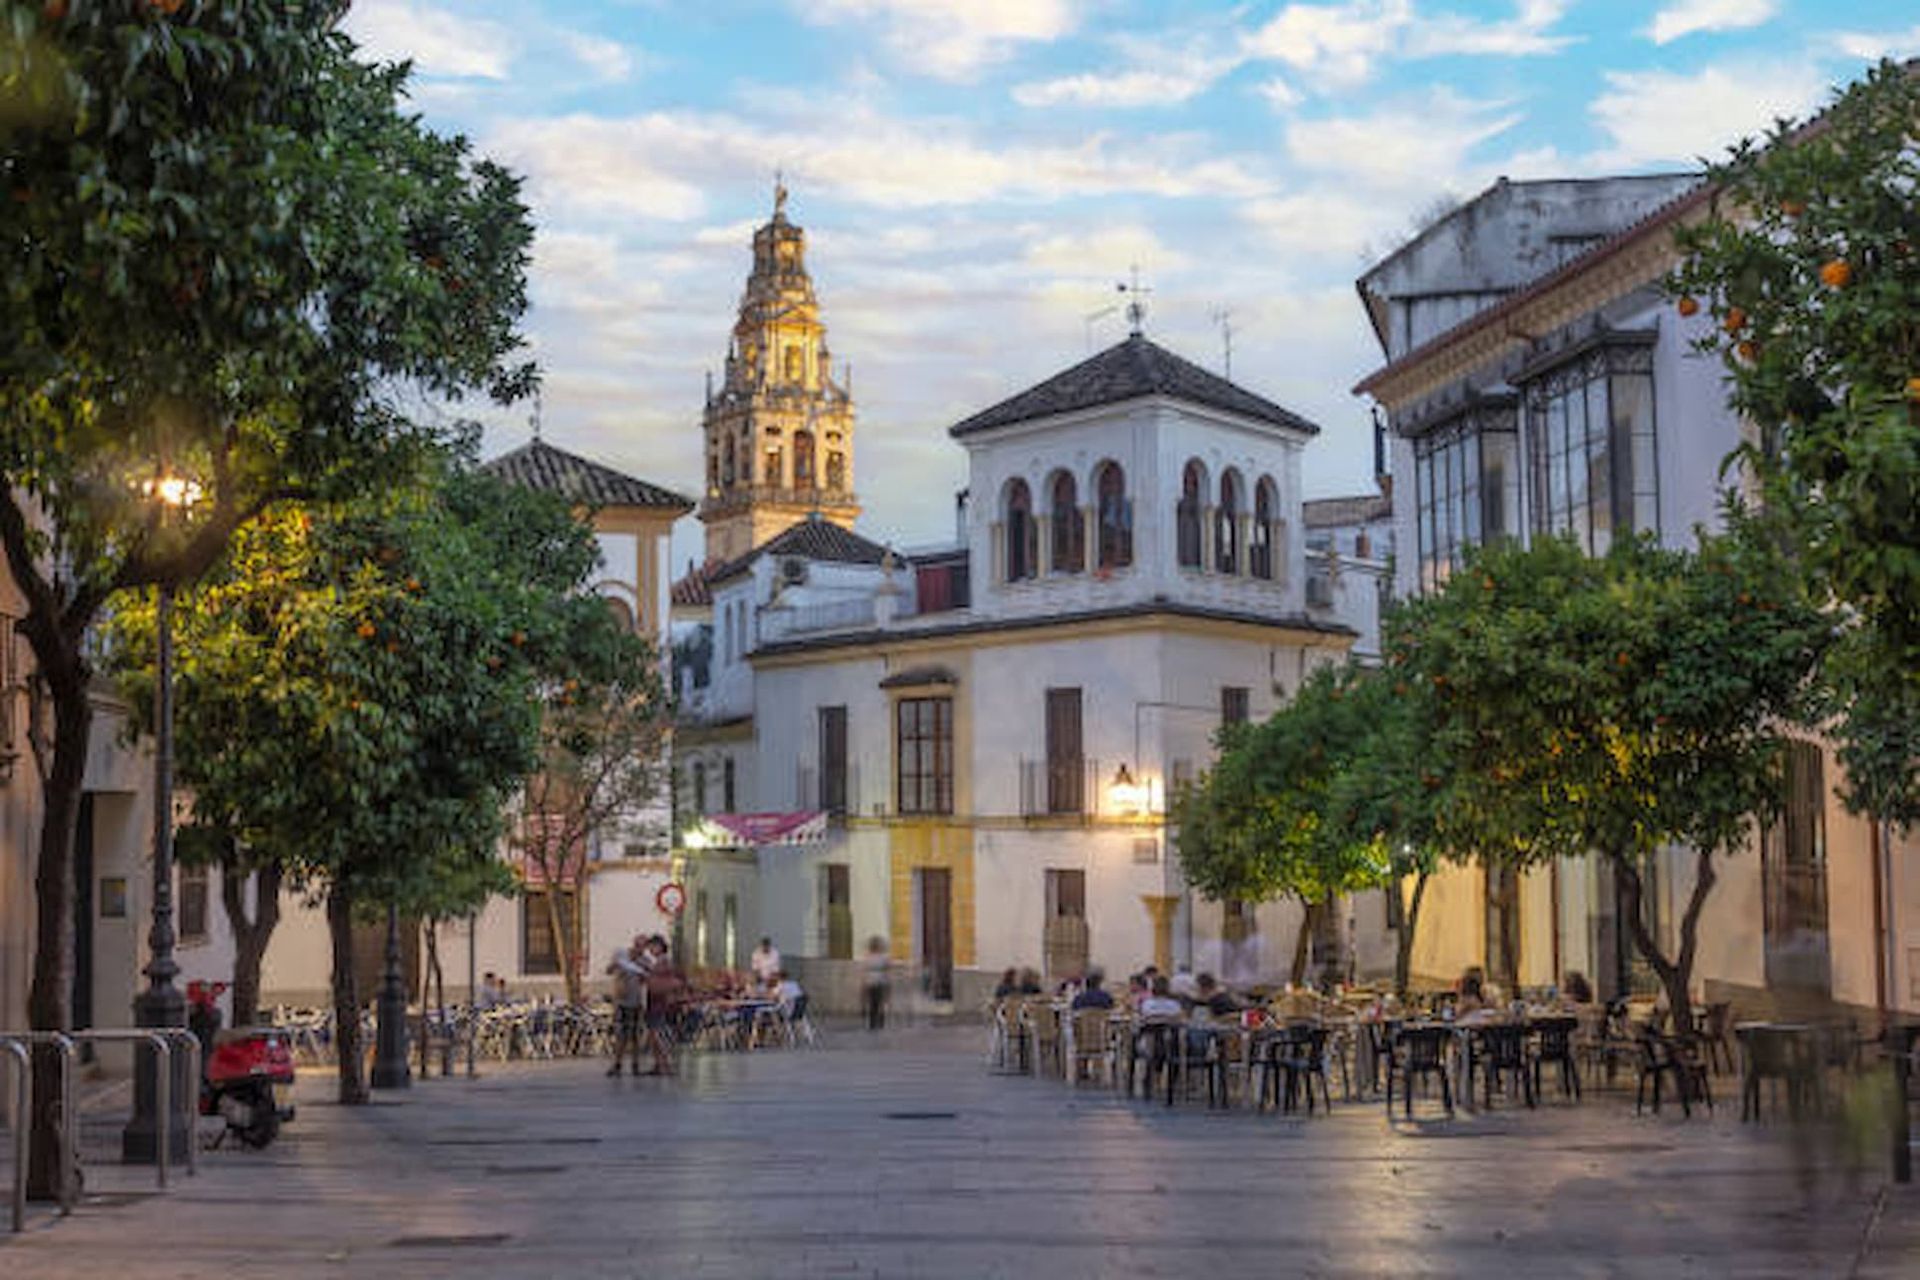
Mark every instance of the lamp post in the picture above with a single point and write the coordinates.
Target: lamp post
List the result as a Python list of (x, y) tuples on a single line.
[(161, 1005), (390, 1069)]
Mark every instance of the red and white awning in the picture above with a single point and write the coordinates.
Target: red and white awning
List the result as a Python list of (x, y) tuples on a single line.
[(759, 830)]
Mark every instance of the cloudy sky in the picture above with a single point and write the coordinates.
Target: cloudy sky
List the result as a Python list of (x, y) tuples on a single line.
[(976, 175)]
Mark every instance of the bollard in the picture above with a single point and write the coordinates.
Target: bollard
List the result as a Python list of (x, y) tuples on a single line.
[(1903, 1039), (22, 1126)]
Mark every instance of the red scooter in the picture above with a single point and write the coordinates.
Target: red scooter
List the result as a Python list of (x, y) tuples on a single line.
[(248, 1076)]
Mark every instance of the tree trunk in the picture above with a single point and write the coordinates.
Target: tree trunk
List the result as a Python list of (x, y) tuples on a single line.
[(1309, 922), (349, 1052), (250, 936), (560, 919), (50, 999), (1676, 975), (1403, 945)]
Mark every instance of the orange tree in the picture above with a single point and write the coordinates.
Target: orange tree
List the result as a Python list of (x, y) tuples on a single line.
[(1810, 264), (1260, 824), (231, 251), (1616, 707), (604, 716), (360, 696)]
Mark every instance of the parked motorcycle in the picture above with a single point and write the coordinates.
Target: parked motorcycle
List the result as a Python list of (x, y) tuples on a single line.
[(247, 1079)]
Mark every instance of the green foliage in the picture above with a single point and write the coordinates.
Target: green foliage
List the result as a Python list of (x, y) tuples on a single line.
[(1808, 263), (1262, 823), (1616, 704), (359, 687)]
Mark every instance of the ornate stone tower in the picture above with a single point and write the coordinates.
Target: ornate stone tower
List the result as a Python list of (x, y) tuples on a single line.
[(779, 431)]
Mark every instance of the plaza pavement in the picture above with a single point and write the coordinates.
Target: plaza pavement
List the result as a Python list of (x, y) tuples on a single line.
[(901, 1155)]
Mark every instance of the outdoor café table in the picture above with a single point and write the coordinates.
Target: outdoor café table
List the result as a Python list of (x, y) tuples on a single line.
[(1776, 1051)]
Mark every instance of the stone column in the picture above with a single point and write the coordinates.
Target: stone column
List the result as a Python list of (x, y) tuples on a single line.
[(1160, 908)]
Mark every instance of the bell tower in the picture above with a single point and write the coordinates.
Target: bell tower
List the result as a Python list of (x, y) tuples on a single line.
[(779, 429)]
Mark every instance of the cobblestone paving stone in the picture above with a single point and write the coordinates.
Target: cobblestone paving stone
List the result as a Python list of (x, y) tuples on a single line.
[(902, 1155)]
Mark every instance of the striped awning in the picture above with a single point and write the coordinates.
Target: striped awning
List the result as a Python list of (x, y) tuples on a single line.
[(759, 830)]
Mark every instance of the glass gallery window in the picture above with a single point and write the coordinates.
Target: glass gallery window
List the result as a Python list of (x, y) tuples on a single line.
[(1466, 485), (1590, 444)]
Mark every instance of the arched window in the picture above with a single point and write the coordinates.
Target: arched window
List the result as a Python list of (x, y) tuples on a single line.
[(836, 470), (1069, 531), (699, 788), (1226, 536), (1022, 533), (713, 470), (1113, 516), (1193, 488), (803, 459), (726, 472), (1266, 509), (771, 472), (622, 613), (796, 364)]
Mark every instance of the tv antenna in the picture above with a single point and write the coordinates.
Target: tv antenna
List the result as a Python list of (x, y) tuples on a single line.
[(539, 397), (1223, 318), (1137, 295)]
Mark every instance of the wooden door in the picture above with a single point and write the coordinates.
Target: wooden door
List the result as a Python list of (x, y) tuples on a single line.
[(936, 930)]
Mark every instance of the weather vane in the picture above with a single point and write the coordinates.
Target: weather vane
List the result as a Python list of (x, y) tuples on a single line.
[(779, 192), (1137, 295)]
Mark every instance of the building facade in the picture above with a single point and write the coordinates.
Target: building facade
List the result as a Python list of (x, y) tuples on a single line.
[(1536, 392)]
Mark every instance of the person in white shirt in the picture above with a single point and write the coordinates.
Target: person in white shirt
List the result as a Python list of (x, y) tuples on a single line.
[(1184, 985), (765, 963), (1160, 1004), (787, 991)]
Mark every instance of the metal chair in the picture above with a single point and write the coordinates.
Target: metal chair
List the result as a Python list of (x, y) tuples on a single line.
[(1553, 1043), (1420, 1052)]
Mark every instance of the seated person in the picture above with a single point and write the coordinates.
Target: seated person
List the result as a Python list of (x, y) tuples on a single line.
[(1030, 983), (1009, 985), (1161, 1003), (1095, 994), (1470, 992), (1216, 999), (786, 990), (1576, 988)]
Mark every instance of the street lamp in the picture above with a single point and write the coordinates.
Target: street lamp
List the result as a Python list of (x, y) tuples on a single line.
[(161, 1004)]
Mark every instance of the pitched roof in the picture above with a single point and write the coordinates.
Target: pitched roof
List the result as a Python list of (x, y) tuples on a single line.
[(539, 465), (692, 591), (1322, 513), (1126, 371), (811, 539)]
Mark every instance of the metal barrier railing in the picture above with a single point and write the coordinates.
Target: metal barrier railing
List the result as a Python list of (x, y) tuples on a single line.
[(161, 1040), (19, 1045)]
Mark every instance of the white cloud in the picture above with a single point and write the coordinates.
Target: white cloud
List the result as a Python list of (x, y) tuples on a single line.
[(660, 164), (1409, 145), (1686, 17), (608, 60), (1874, 45), (440, 42), (1104, 253), (951, 39), (1341, 45), (1664, 116), (1280, 95), (1138, 88)]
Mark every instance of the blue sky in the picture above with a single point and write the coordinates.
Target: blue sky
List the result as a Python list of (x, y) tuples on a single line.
[(975, 176)]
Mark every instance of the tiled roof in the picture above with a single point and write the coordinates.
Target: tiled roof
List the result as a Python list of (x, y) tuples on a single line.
[(539, 465), (1126, 371), (1323, 513), (692, 591), (811, 539)]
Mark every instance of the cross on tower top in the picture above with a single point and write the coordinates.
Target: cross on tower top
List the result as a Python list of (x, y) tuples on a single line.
[(1137, 295)]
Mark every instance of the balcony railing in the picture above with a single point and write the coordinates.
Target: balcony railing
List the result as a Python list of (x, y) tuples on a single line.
[(1060, 786)]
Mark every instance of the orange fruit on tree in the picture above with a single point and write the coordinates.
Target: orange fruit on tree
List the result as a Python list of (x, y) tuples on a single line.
[(1837, 274), (365, 631), (1913, 388), (1688, 306), (1736, 320), (54, 10), (1747, 351)]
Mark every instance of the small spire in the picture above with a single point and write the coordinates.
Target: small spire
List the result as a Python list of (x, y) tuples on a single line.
[(538, 402), (779, 193), (1137, 295)]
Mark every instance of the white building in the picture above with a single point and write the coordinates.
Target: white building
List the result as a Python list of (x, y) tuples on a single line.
[(993, 729), (1537, 380)]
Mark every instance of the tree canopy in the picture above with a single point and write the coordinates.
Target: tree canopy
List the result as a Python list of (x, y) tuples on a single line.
[(1615, 705), (1807, 263)]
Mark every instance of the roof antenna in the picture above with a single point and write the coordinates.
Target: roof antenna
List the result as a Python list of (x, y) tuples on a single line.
[(539, 397), (1136, 303), (1223, 317)]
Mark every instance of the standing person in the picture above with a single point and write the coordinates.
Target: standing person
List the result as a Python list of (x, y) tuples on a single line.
[(629, 968), (873, 983), (666, 992), (486, 997), (765, 963)]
